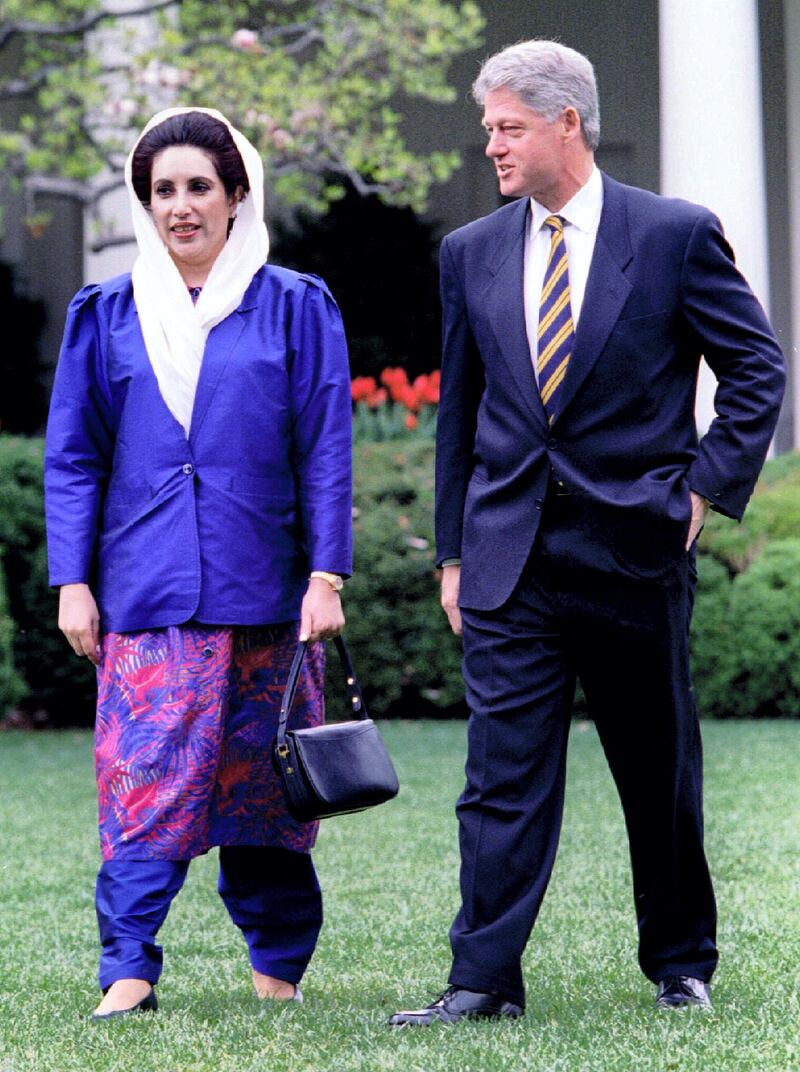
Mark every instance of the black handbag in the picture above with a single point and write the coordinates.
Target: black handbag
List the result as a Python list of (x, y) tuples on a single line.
[(334, 769)]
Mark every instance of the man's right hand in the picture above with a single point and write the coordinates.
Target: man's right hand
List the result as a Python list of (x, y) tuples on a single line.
[(451, 581), (79, 620)]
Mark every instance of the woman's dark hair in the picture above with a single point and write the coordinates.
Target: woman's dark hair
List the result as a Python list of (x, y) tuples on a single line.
[(190, 128)]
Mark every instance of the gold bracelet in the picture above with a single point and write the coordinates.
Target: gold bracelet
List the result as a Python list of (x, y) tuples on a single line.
[(334, 580)]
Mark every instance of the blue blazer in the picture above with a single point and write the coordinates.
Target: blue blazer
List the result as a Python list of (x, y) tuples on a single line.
[(224, 526), (662, 291)]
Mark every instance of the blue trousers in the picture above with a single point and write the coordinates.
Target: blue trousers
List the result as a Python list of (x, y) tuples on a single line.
[(626, 638), (271, 894)]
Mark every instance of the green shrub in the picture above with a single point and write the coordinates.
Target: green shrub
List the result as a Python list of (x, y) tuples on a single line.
[(747, 657), (12, 686), (391, 423), (401, 642), (745, 635), (402, 646), (745, 615), (773, 514), (711, 624), (57, 685)]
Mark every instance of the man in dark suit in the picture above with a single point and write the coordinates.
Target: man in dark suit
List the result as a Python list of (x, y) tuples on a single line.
[(571, 488)]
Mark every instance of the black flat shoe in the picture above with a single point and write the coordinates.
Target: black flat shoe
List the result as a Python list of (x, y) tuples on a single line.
[(682, 992), (149, 1003), (456, 1004)]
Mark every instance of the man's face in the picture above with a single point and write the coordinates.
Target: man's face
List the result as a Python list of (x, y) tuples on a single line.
[(528, 152)]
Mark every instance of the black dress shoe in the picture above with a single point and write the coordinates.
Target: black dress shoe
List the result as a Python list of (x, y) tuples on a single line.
[(456, 1004), (149, 1003), (682, 992)]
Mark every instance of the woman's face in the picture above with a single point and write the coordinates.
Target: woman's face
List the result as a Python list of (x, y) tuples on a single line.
[(190, 209)]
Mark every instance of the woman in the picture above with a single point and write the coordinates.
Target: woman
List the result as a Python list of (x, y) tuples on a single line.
[(198, 516)]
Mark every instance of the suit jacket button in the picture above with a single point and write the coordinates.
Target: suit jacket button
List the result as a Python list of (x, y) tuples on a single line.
[(551, 444), (539, 504), (188, 468)]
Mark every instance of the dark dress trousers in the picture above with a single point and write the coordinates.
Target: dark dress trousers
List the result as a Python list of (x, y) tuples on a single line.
[(572, 540)]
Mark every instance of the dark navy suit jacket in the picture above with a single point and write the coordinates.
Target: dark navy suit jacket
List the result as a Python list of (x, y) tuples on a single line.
[(662, 291), (223, 526)]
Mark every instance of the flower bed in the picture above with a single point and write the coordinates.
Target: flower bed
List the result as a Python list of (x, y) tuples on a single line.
[(394, 407)]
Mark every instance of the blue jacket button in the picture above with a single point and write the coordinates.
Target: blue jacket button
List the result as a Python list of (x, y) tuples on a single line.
[(188, 468)]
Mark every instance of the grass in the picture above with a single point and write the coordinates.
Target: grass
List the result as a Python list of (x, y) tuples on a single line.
[(390, 880)]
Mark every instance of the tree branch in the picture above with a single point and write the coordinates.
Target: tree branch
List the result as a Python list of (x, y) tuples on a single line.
[(19, 87), (51, 184), (87, 193), (305, 32), (99, 244), (362, 185), (328, 160), (78, 26)]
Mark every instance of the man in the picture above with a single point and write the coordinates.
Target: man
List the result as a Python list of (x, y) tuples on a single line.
[(571, 489)]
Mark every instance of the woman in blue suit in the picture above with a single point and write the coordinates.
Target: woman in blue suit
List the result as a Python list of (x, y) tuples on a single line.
[(198, 494)]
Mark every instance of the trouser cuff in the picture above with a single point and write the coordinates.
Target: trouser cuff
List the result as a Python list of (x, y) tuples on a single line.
[(486, 984)]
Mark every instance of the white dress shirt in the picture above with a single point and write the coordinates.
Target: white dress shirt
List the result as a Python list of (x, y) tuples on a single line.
[(581, 216)]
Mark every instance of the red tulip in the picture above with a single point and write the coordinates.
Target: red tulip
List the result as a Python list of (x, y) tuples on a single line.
[(362, 387)]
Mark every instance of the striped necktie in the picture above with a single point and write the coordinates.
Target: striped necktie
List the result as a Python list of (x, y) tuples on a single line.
[(556, 333)]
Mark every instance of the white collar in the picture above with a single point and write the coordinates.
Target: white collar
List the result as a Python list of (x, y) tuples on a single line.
[(582, 210)]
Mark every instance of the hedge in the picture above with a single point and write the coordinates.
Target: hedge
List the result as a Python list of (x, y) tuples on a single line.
[(400, 639), (405, 654), (54, 687), (745, 637), (12, 685)]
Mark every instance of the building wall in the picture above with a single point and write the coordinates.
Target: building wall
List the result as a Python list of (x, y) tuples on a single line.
[(47, 266), (790, 228), (774, 59), (629, 96)]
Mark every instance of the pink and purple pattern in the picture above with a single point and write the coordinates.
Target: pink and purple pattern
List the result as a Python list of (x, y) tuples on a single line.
[(186, 721)]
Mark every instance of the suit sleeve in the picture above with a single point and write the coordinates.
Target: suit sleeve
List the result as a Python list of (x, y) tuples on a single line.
[(321, 428), (462, 388), (735, 337), (78, 443)]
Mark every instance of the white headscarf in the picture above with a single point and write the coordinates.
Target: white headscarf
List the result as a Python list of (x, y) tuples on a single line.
[(175, 330)]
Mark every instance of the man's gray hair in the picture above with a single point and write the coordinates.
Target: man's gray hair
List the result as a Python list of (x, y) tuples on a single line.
[(547, 77)]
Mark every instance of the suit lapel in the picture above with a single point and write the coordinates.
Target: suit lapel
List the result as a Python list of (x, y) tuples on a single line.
[(506, 307), (219, 346), (607, 290)]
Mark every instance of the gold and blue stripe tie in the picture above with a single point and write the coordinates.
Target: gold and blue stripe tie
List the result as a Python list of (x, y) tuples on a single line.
[(556, 333)]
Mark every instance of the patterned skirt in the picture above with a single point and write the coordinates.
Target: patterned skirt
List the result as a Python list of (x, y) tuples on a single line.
[(186, 721)]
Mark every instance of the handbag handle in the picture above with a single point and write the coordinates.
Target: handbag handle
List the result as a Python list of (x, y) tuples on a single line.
[(357, 704)]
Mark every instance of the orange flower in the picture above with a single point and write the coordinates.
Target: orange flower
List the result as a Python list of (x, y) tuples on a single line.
[(427, 388), (396, 380), (408, 397), (411, 421), (424, 391), (362, 387)]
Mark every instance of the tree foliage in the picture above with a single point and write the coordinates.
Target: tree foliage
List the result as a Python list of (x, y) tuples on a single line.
[(320, 88)]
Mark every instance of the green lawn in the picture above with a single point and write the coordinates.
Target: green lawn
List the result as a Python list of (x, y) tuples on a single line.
[(390, 878)]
